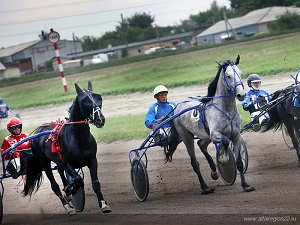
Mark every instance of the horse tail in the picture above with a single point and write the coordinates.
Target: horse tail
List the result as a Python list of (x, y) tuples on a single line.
[(275, 119), (34, 176), (172, 144)]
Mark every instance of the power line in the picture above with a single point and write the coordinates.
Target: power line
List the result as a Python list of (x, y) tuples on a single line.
[(78, 26), (81, 14)]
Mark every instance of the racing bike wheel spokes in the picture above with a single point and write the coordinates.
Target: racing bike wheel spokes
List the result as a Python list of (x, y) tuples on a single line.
[(139, 179), (227, 169)]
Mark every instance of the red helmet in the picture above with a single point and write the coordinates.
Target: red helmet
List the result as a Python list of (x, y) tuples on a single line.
[(13, 122)]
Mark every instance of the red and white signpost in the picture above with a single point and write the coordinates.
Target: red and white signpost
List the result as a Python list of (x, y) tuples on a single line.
[(54, 37)]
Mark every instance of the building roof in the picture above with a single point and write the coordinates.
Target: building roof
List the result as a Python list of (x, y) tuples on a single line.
[(4, 52), (258, 16)]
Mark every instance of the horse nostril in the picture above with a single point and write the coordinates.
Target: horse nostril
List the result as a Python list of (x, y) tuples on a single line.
[(99, 122), (241, 97)]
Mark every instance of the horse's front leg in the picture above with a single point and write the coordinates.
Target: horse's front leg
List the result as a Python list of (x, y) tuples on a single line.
[(237, 146), (55, 187), (293, 130), (93, 166)]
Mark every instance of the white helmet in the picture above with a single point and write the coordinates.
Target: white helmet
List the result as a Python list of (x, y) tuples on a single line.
[(159, 89)]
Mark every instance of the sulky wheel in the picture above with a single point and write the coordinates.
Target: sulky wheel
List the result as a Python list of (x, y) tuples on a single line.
[(244, 155), (78, 199), (227, 168), (139, 179), (286, 137)]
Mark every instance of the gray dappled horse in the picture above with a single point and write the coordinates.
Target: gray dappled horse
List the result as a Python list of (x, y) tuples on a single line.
[(286, 110), (218, 121)]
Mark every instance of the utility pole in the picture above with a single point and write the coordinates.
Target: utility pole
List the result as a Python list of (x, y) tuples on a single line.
[(74, 45), (157, 35), (227, 22), (124, 32)]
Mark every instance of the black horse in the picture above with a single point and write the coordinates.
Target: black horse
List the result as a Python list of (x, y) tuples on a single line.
[(71, 146), (285, 108)]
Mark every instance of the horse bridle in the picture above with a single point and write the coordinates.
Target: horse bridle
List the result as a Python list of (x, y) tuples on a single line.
[(236, 83), (96, 109)]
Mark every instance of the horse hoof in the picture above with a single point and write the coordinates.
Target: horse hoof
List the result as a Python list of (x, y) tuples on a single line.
[(105, 208), (72, 212), (214, 175), (249, 189), (207, 191)]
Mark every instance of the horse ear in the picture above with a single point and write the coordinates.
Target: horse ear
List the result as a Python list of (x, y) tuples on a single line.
[(78, 89), (237, 61), (90, 87)]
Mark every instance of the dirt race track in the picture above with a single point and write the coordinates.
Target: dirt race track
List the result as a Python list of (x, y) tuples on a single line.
[(174, 196)]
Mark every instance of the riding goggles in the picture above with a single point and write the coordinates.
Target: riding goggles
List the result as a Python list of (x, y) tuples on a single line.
[(16, 127)]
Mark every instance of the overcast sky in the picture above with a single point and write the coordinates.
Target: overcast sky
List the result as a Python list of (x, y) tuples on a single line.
[(22, 20)]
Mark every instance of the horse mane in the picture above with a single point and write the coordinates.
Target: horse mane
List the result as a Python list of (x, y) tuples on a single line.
[(212, 88)]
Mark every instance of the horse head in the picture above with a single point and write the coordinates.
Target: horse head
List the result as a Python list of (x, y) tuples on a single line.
[(90, 105), (232, 78)]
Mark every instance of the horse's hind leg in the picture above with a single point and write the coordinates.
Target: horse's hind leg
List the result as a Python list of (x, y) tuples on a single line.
[(188, 140), (239, 164), (55, 187), (61, 172), (93, 165), (203, 146)]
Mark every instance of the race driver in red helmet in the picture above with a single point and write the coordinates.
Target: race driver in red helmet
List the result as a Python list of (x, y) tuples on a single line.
[(14, 167)]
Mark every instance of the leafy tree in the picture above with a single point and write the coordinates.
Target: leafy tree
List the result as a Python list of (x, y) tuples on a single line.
[(242, 7), (89, 43), (43, 35), (207, 18), (286, 21), (140, 20)]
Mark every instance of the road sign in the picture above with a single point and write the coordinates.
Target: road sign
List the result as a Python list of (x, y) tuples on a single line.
[(53, 37)]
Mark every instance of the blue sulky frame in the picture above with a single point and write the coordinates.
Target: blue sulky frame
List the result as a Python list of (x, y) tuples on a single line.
[(13, 149), (149, 141)]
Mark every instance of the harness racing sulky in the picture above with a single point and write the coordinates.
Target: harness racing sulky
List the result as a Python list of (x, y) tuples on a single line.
[(212, 118)]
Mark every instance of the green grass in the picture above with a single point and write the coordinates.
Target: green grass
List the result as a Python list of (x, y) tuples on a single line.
[(196, 67), (193, 68), (122, 128)]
